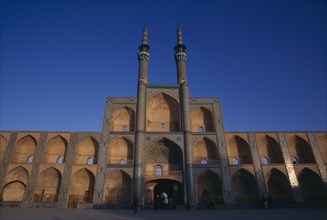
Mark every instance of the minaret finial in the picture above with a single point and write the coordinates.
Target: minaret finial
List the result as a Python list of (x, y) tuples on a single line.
[(179, 35), (145, 35)]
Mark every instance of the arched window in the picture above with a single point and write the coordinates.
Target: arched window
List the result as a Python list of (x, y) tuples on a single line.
[(125, 128), (235, 161), (204, 161), (162, 125), (122, 161), (60, 160), (295, 160), (201, 129), (90, 161), (29, 159), (158, 170), (265, 160)]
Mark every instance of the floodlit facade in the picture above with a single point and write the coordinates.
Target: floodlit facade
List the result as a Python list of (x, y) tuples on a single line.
[(162, 141)]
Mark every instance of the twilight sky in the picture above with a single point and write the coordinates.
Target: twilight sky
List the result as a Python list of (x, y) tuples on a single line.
[(265, 60)]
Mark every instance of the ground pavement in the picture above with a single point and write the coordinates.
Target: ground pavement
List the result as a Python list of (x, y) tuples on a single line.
[(14, 213)]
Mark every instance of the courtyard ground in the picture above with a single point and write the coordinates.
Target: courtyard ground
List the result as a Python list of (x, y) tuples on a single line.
[(14, 213)]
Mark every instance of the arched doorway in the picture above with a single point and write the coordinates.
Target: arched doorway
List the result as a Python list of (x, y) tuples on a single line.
[(279, 187), (245, 187), (209, 189)]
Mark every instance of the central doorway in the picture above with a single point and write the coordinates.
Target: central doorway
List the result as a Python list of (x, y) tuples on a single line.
[(157, 190)]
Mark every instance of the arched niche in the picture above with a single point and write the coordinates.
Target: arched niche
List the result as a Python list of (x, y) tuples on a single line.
[(312, 187), (120, 149), (17, 174), (322, 144), (55, 148), (3, 146), (202, 120), (238, 149), (118, 185), (165, 153), (302, 150), (162, 113), (86, 151), (122, 119), (279, 187), (24, 148), (205, 149), (47, 186), (13, 192), (209, 188), (245, 187), (82, 185), (274, 150)]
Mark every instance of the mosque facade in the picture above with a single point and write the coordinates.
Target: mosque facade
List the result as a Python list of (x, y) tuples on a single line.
[(162, 141)]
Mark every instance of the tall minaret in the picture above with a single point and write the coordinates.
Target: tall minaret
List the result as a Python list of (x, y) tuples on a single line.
[(180, 58), (143, 57)]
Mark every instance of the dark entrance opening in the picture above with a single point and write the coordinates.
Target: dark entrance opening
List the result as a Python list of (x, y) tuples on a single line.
[(173, 189)]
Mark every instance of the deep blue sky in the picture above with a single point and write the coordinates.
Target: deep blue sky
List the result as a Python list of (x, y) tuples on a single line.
[(265, 60)]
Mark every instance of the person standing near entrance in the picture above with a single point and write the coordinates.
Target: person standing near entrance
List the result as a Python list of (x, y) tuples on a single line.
[(136, 204)]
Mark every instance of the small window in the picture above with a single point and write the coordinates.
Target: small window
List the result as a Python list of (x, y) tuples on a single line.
[(265, 160), (30, 159), (162, 125), (235, 161), (158, 170), (90, 161), (122, 161), (201, 129), (60, 160), (295, 160), (125, 128), (204, 161)]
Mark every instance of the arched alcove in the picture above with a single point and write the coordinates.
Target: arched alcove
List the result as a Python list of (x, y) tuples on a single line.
[(55, 148), (122, 119), (118, 185), (209, 188), (238, 149), (24, 148), (202, 120), (82, 186), (245, 187), (205, 149), (162, 113), (120, 149), (279, 187), (274, 150), (13, 192), (303, 151), (3, 146), (85, 149), (47, 186), (312, 187), (18, 173)]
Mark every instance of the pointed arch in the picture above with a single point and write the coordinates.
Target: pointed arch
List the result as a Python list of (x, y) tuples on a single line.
[(205, 149), (312, 186), (279, 187), (209, 188), (3, 146), (24, 148), (239, 149), (122, 119), (82, 185), (55, 148), (47, 185), (120, 149), (118, 185), (245, 187), (85, 149), (162, 113), (202, 120), (274, 150), (17, 174), (13, 192), (303, 151)]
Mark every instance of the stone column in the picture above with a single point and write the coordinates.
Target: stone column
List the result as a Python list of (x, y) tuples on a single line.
[(223, 157), (69, 161), (257, 164), (6, 157), (317, 155), (31, 182), (102, 158), (290, 168)]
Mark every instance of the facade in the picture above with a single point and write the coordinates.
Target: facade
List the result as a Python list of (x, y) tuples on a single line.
[(162, 141)]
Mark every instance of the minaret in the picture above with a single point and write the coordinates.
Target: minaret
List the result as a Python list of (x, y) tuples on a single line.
[(143, 57), (180, 58)]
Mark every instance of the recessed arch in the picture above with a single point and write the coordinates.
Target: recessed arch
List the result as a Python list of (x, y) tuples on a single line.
[(17, 174), (3, 146), (274, 150), (24, 148), (312, 186), (13, 192), (239, 149), (85, 149), (162, 113), (122, 119), (205, 149), (118, 185), (279, 187), (47, 186), (120, 149), (245, 187), (202, 120), (209, 187), (303, 151), (55, 148), (82, 185)]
